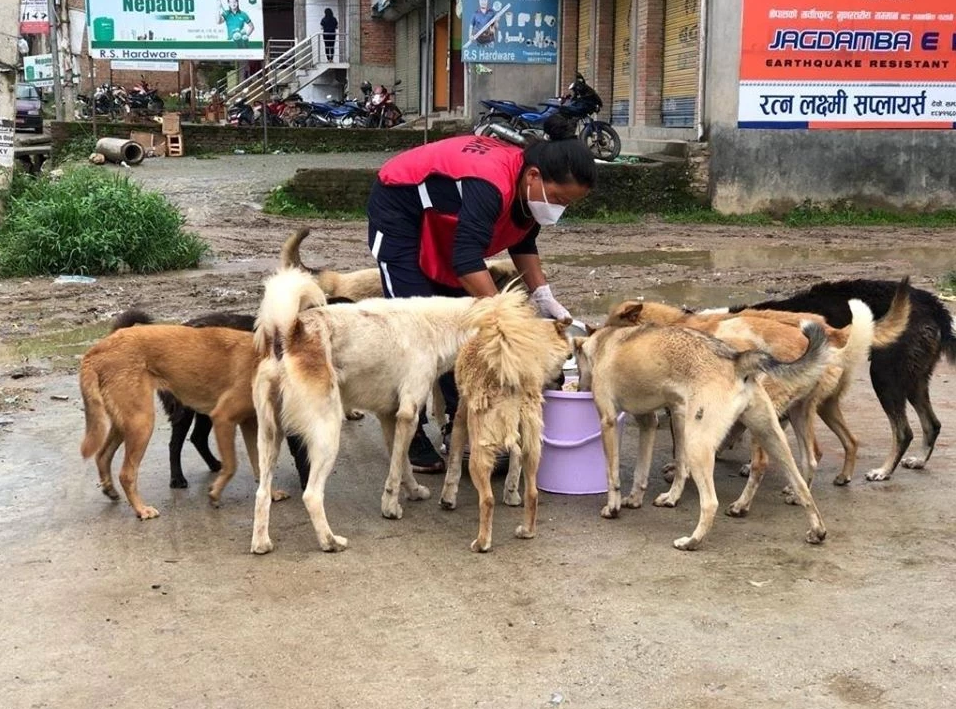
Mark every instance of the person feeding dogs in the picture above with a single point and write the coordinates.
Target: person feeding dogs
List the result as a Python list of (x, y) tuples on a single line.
[(437, 211)]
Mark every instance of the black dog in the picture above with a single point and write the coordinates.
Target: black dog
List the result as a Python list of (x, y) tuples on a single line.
[(900, 372)]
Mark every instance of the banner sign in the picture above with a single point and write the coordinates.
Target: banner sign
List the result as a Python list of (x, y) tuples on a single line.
[(510, 32), (173, 30), (119, 65), (38, 70), (33, 17), (833, 64)]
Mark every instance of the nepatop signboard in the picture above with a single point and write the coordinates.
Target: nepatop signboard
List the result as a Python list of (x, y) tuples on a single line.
[(837, 64), (174, 30)]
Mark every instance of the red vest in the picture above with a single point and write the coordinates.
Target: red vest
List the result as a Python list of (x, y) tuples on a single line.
[(457, 158)]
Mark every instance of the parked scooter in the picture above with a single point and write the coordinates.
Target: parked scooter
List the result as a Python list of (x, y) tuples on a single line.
[(580, 104), (382, 110), (106, 100), (240, 113)]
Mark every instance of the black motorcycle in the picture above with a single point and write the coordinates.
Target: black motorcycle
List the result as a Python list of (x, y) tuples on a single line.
[(240, 113), (512, 121), (142, 98), (106, 101)]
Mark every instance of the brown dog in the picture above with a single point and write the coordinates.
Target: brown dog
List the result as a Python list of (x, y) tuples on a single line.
[(707, 386), (209, 370), (501, 373)]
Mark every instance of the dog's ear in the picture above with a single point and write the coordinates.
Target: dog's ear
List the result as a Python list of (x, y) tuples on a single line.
[(561, 326), (578, 343), (632, 312), (589, 329)]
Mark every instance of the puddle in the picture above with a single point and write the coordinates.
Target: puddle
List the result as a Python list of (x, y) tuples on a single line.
[(61, 346), (679, 293), (929, 260)]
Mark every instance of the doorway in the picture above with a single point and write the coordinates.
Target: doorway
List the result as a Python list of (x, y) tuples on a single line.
[(440, 64)]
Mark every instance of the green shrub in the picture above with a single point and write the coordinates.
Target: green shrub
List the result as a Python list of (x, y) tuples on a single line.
[(91, 221)]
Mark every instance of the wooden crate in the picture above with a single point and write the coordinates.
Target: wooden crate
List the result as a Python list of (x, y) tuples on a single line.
[(174, 145), (171, 124)]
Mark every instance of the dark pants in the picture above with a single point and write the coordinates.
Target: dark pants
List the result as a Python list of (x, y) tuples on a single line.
[(329, 46), (396, 248)]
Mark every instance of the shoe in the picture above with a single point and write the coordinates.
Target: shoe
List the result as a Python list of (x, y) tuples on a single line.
[(501, 459), (423, 456)]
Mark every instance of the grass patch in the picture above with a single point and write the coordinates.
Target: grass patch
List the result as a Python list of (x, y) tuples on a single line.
[(946, 284), (91, 222), (78, 149), (284, 204), (810, 214)]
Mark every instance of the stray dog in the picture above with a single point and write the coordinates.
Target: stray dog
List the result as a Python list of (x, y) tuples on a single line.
[(208, 369), (899, 371), (707, 386), (501, 373), (181, 417), (378, 355), (367, 282), (774, 332)]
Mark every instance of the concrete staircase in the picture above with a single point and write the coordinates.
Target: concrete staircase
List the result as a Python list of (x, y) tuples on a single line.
[(290, 67)]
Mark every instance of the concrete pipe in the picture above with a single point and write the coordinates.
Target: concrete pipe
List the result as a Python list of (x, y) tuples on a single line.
[(119, 149)]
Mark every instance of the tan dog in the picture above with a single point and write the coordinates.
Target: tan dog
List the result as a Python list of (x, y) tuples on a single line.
[(501, 373), (366, 282), (707, 386), (377, 355), (209, 370), (775, 332)]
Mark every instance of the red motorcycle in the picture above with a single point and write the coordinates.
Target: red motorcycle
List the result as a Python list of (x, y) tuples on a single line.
[(279, 112), (382, 111)]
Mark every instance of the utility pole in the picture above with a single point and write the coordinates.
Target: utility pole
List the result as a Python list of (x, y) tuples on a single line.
[(9, 61), (53, 45), (62, 46)]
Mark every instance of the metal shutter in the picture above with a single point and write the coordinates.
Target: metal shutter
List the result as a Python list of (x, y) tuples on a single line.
[(585, 32), (681, 60), (621, 86), (412, 93), (407, 63), (401, 63)]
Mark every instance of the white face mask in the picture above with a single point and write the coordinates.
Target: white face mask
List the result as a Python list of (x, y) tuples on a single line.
[(544, 212)]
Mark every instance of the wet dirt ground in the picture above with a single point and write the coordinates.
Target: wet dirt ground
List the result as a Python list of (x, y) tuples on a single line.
[(103, 610)]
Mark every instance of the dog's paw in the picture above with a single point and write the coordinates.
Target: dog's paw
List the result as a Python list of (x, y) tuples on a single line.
[(737, 510), (522, 532), (391, 509), (110, 492), (215, 466), (668, 471), (814, 537), (913, 462), (178, 483), (477, 546), (262, 546), (334, 543), (609, 512), (665, 500), (841, 480), (878, 475), (147, 512), (686, 544), (512, 499), (448, 503), (791, 499), (354, 415), (420, 492), (744, 471), (634, 501), (279, 495)]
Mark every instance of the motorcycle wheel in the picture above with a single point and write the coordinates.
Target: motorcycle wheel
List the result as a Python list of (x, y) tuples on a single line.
[(482, 125), (602, 140)]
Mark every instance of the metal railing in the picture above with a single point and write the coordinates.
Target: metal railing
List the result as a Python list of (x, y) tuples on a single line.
[(285, 59)]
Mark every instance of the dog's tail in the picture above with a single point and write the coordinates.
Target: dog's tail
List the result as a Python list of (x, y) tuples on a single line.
[(503, 322), (130, 317), (290, 257), (948, 338), (892, 325), (94, 409), (808, 367), (287, 293), (861, 336)]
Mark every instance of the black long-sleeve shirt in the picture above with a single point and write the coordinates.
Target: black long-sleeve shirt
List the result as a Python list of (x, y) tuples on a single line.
[(477, 206)]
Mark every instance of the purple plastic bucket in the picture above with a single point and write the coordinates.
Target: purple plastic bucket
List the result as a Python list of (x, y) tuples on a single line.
[(572, 456)]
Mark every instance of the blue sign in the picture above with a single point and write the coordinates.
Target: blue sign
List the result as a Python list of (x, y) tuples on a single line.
[(510, 31)]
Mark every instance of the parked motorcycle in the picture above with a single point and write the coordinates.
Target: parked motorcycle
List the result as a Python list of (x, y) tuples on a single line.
[(107, 101), (331, 113), (381, 107), (506, 119), (240, 113), (278, 111), (142, 98)]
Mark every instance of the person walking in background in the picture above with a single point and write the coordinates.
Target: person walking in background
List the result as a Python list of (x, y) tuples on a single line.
[(329, 27)]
